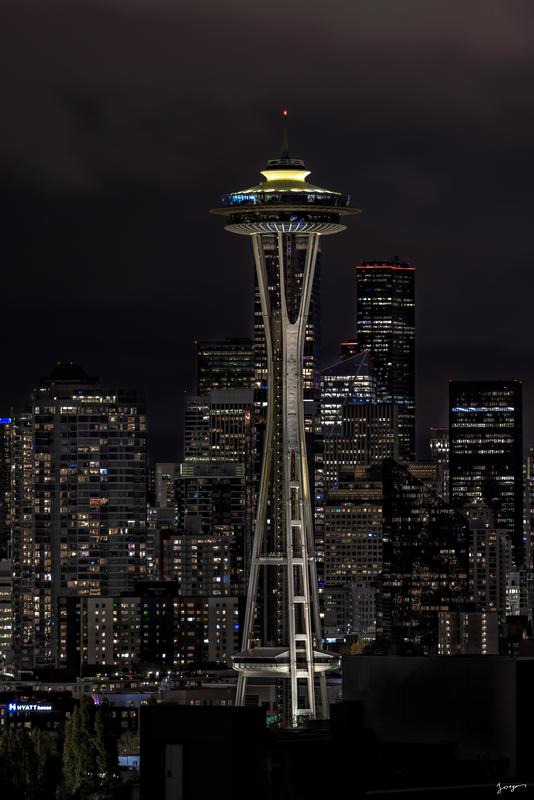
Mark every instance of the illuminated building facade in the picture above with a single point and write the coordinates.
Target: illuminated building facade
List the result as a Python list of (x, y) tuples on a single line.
[(224, 364), (468, 633), (369, 433), (6, 612), (79, 524), (352, 553), (385, 326), (426, 560), (22, 540), (528, 493), (165, 488), (156, 628), (490, 560), (485, 461), (350, 381), (201, 564), (439, 445), (231, 426), (196, 428), (5, 485), (222, 441), (220, 427), (439, 454), (207, 554), (285, 216)]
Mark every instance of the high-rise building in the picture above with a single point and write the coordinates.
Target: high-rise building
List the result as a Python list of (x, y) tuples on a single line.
[(220, 426), (231, 426), (349, 381), (426, 560), (439, 445), (224, 364), (485, 462), (285, 217), (156, 628), (490, 560), (165, 485), (528, 494), (6, 613), (369, 433), (5, 485), (23, 540), (439, 454), (162, 514), (476, 628), (352, 553), (202, 563), (520, 594), (385, 325), (212, 545), (196, 428), (79, 512), (468, 633)]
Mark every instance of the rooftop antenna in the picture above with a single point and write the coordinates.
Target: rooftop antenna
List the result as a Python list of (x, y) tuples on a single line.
[(285, 135)]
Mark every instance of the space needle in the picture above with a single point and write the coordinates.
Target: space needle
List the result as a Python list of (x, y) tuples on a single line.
[(285, 216)]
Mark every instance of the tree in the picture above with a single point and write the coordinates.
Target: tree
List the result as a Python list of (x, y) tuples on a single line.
[(46, 746), (90, 761), (18, 765), (128, 743), (106, 754)]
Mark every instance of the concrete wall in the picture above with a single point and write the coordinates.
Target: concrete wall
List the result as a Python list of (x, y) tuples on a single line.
[(471, 701)]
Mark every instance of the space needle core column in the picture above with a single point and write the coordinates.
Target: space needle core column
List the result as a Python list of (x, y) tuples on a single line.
[(285, 216)]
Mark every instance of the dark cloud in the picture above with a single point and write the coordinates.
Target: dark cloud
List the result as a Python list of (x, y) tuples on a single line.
[(123, 121)]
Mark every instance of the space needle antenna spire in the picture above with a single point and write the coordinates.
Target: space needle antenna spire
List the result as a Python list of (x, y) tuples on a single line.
[(285, 134)]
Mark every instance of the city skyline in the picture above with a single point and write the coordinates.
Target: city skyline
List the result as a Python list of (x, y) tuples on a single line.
[(266, 500), (105, 194)]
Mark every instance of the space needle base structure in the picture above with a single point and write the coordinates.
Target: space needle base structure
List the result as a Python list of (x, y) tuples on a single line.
[(285, 216)]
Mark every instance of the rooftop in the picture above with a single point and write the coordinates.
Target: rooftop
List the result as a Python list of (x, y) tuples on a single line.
[(71, 372)]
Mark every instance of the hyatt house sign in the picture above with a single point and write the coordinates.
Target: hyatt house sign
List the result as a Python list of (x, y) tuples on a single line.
[(15, 707)]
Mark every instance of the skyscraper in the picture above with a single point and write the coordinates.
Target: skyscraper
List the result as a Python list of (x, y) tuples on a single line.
[(426, 560), (224, 364), (219, 428), (5, 484), (6, 612), (490, 560), (369, 433), (353, 552), (485, 460), (439, 454), (22, 540), (529, 507), (79, 517), (196, 428), (385, 325), (349, 381), (285, 217)]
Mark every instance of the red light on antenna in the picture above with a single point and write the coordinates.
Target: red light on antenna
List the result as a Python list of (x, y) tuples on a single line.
[(284, 112)]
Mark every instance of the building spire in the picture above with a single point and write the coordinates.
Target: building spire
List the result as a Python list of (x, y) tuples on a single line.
[(285, 135)]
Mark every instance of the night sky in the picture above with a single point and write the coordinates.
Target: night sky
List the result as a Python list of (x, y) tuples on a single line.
[(123, 122)]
